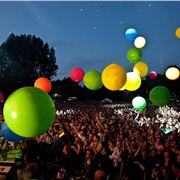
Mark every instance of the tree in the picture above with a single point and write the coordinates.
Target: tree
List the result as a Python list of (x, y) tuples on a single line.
[(66, 88), (23, 59)]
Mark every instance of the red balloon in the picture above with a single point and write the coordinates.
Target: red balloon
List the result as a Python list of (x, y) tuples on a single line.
[(77, 74), (43, 84), (153, 74), (1, 97)]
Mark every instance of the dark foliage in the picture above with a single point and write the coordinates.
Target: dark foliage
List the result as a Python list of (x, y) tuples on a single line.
[(23, 59)]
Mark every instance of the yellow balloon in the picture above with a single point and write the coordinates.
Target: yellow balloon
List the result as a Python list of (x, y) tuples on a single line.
[(123, 88), (140, 68), (114, 77), (178, 32), (133, 81), (172, 73), (140, 42)]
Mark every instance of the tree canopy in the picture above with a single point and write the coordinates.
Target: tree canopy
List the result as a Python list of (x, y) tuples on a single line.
[(24, 58)]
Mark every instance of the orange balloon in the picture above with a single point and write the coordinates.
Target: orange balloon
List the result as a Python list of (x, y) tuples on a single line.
[(114, 77), (43, 84)]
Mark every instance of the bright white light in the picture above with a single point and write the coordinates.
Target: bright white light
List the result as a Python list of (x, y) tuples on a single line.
[(14, 115)]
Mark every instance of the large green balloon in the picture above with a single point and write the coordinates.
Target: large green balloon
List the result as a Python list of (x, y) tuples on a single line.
[(29, 111), (134, 55), (160, 96), (92, 80)]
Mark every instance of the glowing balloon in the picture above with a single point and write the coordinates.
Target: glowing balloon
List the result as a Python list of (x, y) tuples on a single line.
[(77, 74), (131, 34), (123, 88), (139, 103), (178, 33), (43, 84), (29, 112), (134, 55), (172, 73), (1, 97), (160, 96), (139, 42), (92, 80), (133, 81), (114, 77), (141, 68), (153, 74), (8, 134)]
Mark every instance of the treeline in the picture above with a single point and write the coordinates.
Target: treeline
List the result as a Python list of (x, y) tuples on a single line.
[(67, 88)]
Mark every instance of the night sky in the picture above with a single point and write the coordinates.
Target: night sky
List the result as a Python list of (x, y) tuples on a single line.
[(91, 34)]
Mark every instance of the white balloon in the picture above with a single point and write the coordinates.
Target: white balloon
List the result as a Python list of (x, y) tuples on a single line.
[(140, 42), (172, 73)]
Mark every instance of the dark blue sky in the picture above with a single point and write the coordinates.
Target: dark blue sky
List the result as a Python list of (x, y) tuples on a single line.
[(91, 34)]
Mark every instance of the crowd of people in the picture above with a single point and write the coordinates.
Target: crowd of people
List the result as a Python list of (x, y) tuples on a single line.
[(94, 140)]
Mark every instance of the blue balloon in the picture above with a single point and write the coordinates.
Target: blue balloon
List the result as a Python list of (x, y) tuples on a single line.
[(131, 34), (8, 134)]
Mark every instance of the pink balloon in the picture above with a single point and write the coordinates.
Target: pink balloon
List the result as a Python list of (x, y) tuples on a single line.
[(1, 97), (77, 74), (153, 74)]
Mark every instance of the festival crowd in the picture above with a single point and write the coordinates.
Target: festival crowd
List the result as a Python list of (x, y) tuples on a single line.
[(94, 140)]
